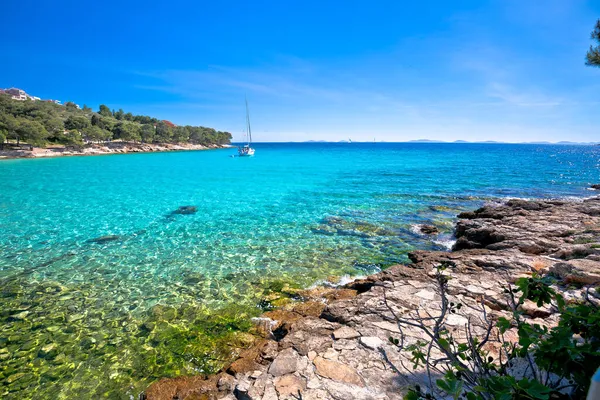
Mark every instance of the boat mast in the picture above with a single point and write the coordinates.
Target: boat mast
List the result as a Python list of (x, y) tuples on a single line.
[(248, 123)]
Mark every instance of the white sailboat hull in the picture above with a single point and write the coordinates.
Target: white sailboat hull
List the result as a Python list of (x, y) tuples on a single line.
[(245, 151)]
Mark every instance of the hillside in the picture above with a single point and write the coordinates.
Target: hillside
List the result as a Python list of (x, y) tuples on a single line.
[(41, 123)]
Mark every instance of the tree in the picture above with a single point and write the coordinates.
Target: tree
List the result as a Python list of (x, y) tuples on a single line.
[(86, 108), (72, 138), (107, 135), (76, 122), (119, 114), (180, 134), (147, 133), (127, 132), (55, 128), (164, 133), (105, 111), (93, 133), (593, 54), (71, 106), (9, 124), (31, 131)]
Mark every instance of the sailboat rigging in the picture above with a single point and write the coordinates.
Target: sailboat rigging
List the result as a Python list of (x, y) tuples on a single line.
[(246, 150)]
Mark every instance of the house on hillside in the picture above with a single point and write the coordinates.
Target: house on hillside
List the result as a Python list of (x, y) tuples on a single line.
[(17, 94)]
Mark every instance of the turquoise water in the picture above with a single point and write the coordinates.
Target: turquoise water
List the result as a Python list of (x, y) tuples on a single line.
[(162, 294)]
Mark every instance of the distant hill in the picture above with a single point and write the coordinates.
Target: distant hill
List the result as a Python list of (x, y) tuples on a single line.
[(426, 141)]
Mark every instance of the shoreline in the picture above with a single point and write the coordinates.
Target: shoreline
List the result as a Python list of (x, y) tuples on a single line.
[(330, 344), (106, 149)]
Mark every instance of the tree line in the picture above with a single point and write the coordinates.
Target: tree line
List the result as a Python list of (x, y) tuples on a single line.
[(41, 123)]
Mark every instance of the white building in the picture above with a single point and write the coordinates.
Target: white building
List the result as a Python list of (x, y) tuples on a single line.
[(17, 94)]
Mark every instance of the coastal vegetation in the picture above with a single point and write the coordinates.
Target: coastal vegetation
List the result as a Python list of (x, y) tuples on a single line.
[(593, 54), (540, 364), (40, 123)]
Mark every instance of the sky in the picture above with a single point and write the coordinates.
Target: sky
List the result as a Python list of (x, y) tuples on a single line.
[(506, 70)]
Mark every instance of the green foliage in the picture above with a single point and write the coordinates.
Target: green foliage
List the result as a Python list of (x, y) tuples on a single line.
[(38, 122), (147, 133), (71, 138), (71, 106), (565, 356), (31, 131), (164, 133), (55, 127), (105, 111), (593, 54), (127, 132), (96, 134), (77, 122)]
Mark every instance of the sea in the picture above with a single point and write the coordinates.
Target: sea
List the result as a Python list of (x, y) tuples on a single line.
[(118, 270)]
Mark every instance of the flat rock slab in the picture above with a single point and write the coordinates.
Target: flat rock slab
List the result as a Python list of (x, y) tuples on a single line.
[(289, 385), (337, 371), (388, 326), (371, 342), (345, 332)]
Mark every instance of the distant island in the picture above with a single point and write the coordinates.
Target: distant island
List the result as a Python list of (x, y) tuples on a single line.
[(432, 141), (48, 123)]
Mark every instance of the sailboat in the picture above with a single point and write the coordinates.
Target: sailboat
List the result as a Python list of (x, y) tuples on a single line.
[(246, 150)]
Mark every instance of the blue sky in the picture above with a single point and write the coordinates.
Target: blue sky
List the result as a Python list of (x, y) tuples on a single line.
[(392, 70)]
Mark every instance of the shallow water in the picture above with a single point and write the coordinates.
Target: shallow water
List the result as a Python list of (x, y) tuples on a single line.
[(104, 289)]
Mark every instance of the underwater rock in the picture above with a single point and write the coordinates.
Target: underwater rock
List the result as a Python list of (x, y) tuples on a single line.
[(104, 239), (429, 230), (185, 210), (49, 351), (165, 313), (363, 229), (21, 315)]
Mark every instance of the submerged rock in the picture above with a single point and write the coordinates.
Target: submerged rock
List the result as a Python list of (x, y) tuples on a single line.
[(185, 210), (429, 230), (339, 226), (104, 239)]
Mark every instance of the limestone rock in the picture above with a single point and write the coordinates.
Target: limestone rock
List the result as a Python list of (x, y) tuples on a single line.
[(226, 382), (285, 363), (337, 371), (372, 342), (289, 385), (345, 332)]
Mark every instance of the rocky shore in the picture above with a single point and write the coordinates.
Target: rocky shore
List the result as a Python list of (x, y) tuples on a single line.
[(335, 343), (106, 148)]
